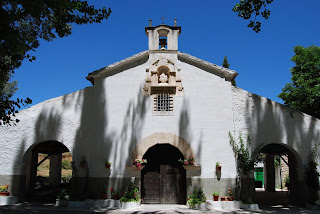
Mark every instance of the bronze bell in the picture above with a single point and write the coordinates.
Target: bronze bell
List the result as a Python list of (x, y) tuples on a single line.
[(163, 43)]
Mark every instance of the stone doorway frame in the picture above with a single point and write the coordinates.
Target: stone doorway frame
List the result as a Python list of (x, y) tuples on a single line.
[(162, 138)]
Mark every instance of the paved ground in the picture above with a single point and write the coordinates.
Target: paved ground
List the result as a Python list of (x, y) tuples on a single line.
[(144, 209)]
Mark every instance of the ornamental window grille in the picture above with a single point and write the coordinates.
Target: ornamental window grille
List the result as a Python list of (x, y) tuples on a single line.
[(163, 104)]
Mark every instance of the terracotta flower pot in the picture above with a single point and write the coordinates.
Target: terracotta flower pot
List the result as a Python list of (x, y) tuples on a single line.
[(223, 198), (230, 198), (108, 166), (103, 196), (216, 197), (4, 193), (218, 168)]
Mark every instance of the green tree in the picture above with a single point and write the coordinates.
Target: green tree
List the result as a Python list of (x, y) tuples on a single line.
[(23, 23), (226, 64), (303, 93), (7, 106), (251, 10)]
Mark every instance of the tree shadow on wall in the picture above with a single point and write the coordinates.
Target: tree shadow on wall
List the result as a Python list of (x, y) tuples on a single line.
[(268, 122), (98, 141)]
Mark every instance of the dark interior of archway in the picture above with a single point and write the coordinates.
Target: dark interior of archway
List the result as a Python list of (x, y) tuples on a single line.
[(51, 147), (163, 180), (275, 148), (278, 151), (42, 191), (163, 154)]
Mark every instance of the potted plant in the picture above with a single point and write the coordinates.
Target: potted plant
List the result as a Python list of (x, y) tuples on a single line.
[(230, 198), (107, 164), (83, 162), (63, 198), (197, 199), (138, 163), (218, 166), (131, 197), (189, 162), (215, 196), (287, 182), (114, 194), (4, 190)]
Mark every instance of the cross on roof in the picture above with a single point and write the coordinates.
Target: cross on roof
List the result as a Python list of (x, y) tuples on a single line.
[(163, 18)]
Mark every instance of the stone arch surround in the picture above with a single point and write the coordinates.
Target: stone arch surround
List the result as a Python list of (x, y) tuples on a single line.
[(162, 138), (297, 156)]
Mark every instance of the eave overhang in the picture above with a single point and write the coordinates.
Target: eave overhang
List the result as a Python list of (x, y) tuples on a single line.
[(226, 73), (117, 66), (143, 56)]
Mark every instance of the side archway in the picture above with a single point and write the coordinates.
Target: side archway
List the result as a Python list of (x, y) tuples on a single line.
[(43, 170), (279, 172), (162, 138)]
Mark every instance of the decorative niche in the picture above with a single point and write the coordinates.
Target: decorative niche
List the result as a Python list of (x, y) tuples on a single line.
[(162, 77)]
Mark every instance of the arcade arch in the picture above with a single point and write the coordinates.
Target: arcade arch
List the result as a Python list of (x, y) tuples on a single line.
[(279, 161), (49, 153)]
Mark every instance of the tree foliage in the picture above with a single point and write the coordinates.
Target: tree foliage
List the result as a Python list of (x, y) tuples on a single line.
[(225, 62), (303, 93), (7, 106), (251, 10), (23, 23)]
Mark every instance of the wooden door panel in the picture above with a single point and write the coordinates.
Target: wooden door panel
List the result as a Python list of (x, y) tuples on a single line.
[(165, 187), (151, 185), (171, 186)]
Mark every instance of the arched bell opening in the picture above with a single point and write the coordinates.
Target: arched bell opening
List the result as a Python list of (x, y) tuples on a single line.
[(163, 38), (276, 175), (163, 179)]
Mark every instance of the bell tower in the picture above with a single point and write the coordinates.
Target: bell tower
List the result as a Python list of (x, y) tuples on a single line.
[(163, 81), (163, 37)]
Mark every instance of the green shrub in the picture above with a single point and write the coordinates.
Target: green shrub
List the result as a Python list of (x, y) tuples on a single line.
[(64, 194), (131, 194), (287, 180), (197, 197), (66, 164), (66, 179)]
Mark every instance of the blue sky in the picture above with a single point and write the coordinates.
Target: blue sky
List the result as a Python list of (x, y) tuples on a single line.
[(210, 31)]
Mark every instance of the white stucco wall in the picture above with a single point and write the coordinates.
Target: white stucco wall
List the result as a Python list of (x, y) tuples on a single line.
[(269, 122), (57, 119)]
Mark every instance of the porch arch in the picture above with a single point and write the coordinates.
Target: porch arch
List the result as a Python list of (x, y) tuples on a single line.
[(162, 138), (293, 164)]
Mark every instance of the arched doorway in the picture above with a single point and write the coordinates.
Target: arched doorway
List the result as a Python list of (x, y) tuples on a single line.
[(48, 170), (163, 180), (278, 172)]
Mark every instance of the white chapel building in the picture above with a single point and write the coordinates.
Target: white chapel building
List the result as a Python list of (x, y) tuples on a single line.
[(161, 105)]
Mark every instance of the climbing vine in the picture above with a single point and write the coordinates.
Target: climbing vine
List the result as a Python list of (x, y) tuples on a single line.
[(242, 151), (245, 161)]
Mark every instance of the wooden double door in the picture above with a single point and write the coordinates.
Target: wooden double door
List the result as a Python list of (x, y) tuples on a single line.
[(164, 184)]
